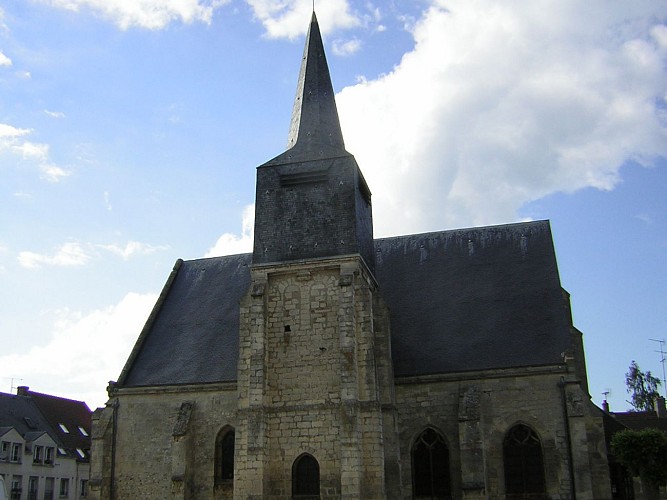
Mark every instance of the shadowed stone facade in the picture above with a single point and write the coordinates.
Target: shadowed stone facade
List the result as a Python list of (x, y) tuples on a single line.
[(328, 364)]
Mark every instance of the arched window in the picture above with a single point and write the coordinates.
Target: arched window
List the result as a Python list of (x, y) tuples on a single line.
[(430, 466), (306, 478), (524, 465), (224, 456)]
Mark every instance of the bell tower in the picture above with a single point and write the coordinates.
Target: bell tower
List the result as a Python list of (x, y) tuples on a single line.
[(316, 409), (312, 200)]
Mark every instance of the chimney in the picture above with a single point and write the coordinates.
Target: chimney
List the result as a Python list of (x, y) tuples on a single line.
[(660, 408), (605, 406), (23, 390)]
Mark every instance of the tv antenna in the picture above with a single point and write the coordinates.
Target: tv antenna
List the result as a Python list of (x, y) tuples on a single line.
[(12, 387), (662, 361)]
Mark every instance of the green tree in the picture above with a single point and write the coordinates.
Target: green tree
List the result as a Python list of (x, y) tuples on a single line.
[(643, 386), (644, 453)]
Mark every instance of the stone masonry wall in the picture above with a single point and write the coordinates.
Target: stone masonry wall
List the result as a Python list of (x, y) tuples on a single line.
[(307, 381), (166, 441), (474, 413)]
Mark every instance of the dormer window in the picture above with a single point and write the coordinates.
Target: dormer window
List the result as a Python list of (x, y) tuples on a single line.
[(16, 453), (37, 454)]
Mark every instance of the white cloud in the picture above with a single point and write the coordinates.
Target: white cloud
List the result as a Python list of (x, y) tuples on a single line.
[(132, 248), (31, 151), (231, 244), (75, 254), (54, 114), (347, 47), (9, 132), (148, 14), (85, 350), (70, 254), (289, 18), (4, 60), (503, 103), (53, 173), (11, 140)]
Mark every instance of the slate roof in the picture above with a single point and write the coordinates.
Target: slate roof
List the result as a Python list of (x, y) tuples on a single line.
[(639, 420), (72, 414), (193, 333), (22, 414), (314, 128), (473, 299), (467, 299), (33, 413)]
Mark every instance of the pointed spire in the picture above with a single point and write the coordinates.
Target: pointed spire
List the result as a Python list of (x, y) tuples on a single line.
[(315, 128)]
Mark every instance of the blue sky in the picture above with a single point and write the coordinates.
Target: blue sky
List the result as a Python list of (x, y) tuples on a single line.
[(130, 133)]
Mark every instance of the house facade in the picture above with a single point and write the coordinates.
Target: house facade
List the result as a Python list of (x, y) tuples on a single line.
[(35, 461), (329, 364)]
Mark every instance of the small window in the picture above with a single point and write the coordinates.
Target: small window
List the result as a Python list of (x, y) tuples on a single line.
[(83, 431), (306, 478), (16, 453), (33, 483), (48, 456), (83, 490), (224, 456), (64, 487), (63, 428), (48, 488), (37, 454), (62, 451), (80, 452), (16, 488)]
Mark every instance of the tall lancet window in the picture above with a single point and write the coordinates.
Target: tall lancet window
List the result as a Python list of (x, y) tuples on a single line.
[(306, 478), (430, 466), (224, 456), (524, 464)]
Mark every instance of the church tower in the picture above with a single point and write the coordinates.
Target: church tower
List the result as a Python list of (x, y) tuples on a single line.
[(316, 417), (312, 201)]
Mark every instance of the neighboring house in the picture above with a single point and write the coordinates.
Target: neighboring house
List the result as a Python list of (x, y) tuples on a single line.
[(37, 458), (626, 487), (639, 420), (328, 364)]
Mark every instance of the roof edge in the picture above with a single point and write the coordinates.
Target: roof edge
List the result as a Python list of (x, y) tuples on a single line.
[(540, 222), (149, 322)]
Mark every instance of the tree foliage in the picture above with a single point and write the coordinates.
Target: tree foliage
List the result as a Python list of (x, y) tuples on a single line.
[(643, 452), (643, 386)]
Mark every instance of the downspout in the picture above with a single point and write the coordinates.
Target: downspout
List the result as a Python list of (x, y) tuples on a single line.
[(568, 438)]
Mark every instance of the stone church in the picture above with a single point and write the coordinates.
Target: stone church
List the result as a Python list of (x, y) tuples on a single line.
[(327, 364)]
